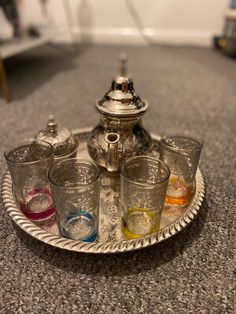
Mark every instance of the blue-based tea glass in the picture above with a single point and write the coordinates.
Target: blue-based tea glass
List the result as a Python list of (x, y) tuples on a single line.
[(75, 186)]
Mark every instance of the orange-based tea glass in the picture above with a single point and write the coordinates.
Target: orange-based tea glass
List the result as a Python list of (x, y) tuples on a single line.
[(182, 155)]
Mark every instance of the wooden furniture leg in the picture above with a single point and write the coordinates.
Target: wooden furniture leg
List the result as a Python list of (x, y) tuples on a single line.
[(3, 81)]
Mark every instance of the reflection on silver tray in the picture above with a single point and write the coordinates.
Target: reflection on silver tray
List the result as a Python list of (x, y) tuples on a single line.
[(110, 235)]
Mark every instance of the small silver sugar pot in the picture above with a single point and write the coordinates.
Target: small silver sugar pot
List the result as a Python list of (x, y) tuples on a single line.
[(61, 139), (120, 133)]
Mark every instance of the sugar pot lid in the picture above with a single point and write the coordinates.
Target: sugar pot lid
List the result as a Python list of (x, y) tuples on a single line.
[(61, 139), (121, 99)]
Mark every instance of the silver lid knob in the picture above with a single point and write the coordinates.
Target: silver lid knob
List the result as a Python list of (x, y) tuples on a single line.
[(122, 64), (121, 99), (52, 125)]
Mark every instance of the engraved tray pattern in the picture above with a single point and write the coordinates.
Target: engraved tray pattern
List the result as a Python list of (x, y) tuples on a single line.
[(110, 236)]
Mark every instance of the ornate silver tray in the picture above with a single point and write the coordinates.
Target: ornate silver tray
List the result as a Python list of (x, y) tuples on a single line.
[(110, 236)]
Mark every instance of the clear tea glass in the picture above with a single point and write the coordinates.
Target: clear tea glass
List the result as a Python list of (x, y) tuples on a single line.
[(182, 155), (75, 185), (29, 165), (144, 182)]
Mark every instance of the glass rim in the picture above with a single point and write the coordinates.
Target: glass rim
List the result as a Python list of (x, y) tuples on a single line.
[(78, 186), (178, 150), (6, 154), (147, 185)]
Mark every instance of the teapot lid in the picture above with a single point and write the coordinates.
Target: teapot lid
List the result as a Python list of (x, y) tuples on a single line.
[(121, 99), (61, 139)]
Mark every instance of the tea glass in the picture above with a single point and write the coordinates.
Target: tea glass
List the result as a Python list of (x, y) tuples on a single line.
[(182, 155), (75, 185), (29, 165), (144, 182)]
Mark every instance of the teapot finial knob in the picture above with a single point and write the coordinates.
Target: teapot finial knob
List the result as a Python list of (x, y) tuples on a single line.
[(52, 125), (122, 61)]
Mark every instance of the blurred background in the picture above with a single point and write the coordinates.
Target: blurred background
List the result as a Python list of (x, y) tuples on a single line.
[(29, 24), (117, 21), (107, 21)]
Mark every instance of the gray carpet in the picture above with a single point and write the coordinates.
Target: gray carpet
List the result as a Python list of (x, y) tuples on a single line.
[(189, 89)]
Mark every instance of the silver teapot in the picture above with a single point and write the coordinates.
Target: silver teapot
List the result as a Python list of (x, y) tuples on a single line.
[(120, 133)]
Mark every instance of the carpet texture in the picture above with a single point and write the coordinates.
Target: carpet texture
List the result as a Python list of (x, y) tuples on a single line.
[(188, 89)]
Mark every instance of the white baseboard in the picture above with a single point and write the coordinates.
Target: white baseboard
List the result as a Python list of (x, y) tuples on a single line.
[(132, 36)]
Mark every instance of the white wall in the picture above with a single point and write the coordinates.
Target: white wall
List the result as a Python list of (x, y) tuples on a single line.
[(170, 21)]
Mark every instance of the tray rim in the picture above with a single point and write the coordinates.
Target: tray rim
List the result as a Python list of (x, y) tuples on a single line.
[(98, 247)]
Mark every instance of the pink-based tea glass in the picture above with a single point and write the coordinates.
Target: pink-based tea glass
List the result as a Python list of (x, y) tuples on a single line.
[(29, 166)]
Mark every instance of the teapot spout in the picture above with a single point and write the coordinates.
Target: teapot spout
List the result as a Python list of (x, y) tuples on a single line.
[(112, 159)]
